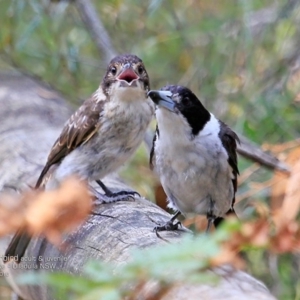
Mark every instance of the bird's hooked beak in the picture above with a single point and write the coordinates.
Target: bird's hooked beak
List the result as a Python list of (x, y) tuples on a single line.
[(127, 75), (163, 99)]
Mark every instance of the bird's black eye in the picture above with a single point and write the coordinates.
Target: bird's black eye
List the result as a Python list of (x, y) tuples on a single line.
[(140, 69), (113, 70), (185, 101)]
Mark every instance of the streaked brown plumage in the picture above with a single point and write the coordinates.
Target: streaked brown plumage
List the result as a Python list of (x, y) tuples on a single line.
[(81, 126)]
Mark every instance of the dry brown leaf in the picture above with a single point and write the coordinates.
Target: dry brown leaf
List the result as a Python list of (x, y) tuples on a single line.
[(228, 255), (255, 233), (287, 239), (54, 212), (291, 203), (258, 233), (280, 148), (281, 180), (278, 190), (46, 212)]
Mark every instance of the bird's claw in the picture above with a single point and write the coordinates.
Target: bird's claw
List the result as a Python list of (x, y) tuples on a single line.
[(114, 197), (169, 226), (126, 193)]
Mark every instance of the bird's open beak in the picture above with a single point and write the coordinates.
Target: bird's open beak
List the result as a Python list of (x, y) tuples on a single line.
[(127, 74), (163, 99)]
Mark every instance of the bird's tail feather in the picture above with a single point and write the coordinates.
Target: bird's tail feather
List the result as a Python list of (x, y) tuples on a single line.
[(17, 247)]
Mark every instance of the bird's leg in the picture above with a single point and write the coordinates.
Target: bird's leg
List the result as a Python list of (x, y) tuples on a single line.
[(210, 221), (210, 216), (169, 226), (110, 196)]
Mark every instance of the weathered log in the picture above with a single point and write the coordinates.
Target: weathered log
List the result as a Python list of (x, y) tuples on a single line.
[(32, 115)]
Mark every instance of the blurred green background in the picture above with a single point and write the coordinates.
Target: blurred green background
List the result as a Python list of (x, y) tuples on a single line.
[(241, 57)]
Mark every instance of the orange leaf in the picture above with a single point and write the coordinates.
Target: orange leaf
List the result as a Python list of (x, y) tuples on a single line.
[(291, 202)]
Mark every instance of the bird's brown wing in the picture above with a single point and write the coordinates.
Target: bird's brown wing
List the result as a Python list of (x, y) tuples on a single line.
[(81, 126)]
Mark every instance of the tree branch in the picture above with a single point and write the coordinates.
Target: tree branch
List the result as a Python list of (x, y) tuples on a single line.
[(94, 25)]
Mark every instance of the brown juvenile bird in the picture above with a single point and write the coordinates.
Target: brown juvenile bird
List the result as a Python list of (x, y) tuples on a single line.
[(100, 136)]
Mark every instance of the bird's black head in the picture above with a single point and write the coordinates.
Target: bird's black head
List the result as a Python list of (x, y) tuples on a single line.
[(182, 101), (128, 70)]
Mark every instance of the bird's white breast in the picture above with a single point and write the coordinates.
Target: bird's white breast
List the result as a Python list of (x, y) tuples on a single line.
[(193, 170)]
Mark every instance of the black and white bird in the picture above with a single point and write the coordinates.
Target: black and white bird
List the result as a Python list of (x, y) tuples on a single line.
[(194, 155), (100, 136)]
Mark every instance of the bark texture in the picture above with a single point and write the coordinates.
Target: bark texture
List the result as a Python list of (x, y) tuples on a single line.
[(32, 115)]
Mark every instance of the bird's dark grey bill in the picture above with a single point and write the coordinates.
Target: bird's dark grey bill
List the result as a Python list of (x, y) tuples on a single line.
[(163, 99)]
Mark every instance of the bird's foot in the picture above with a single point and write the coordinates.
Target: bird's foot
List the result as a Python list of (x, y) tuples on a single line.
[(110, 196), (169, 226), (114, 197)]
